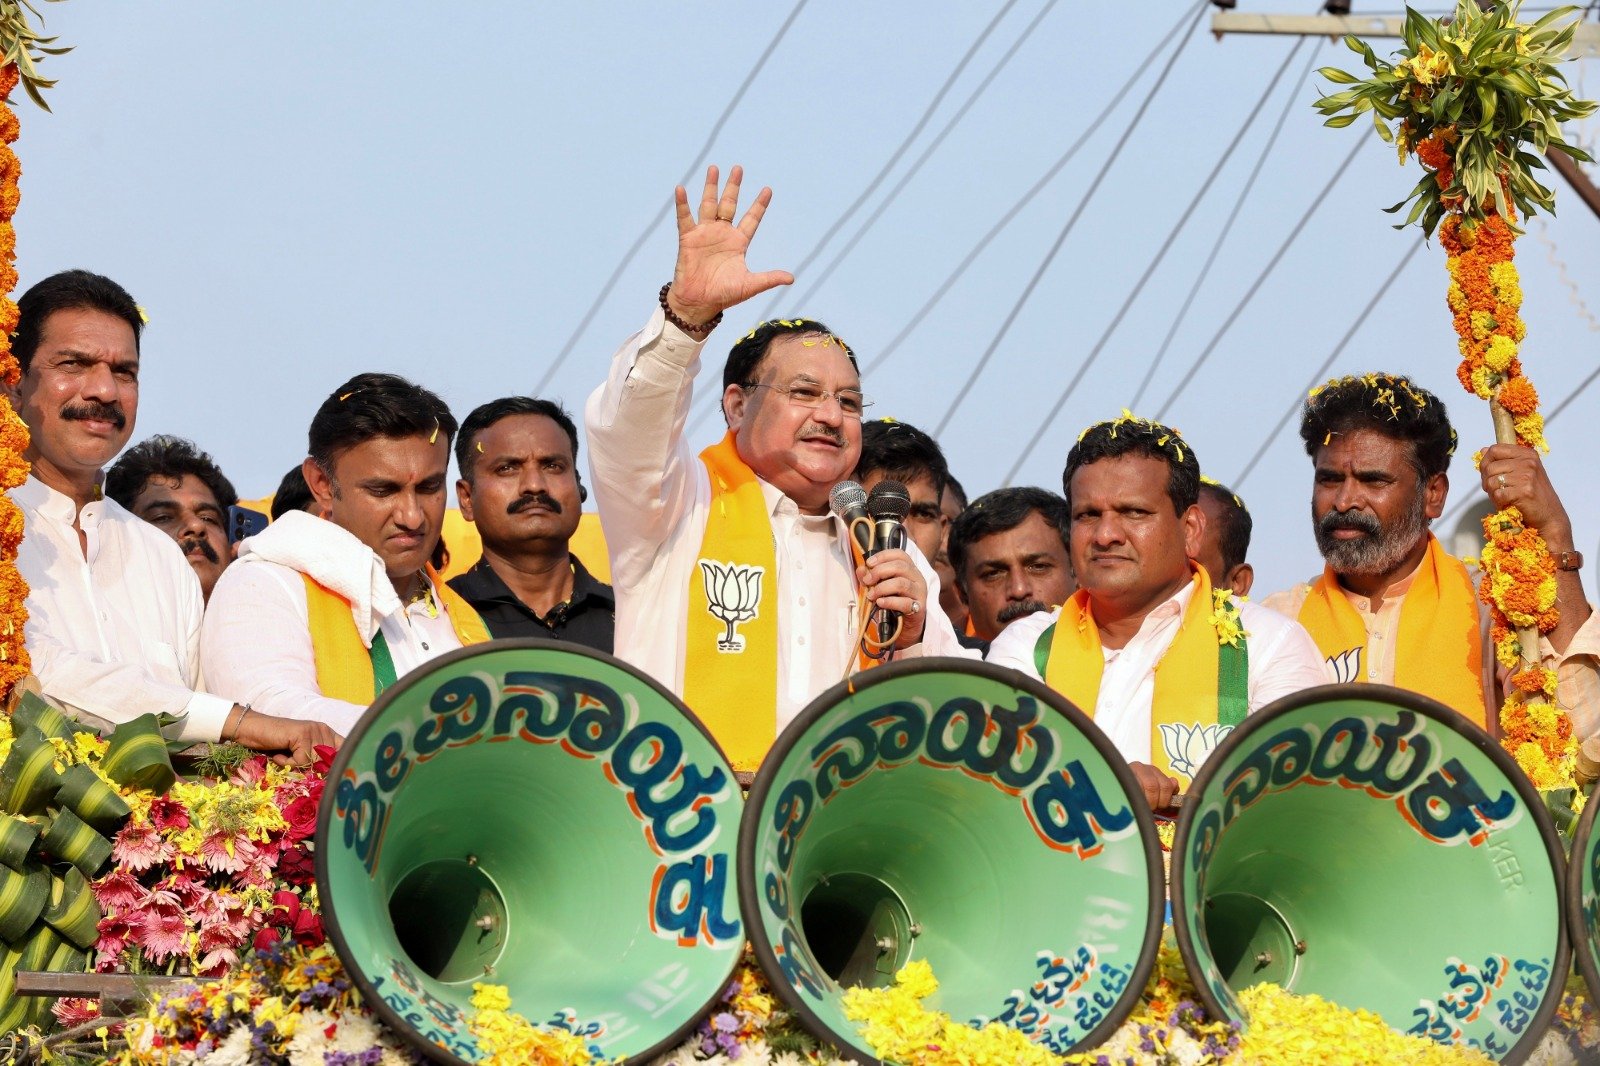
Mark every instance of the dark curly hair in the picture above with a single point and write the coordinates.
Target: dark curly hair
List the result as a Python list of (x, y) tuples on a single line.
[(1389, 404), (1136, 436), (166, 457)]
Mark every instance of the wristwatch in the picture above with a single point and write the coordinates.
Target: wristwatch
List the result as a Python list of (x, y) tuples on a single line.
[(1569, 560)]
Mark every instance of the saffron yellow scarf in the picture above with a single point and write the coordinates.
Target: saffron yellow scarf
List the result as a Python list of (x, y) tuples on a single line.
[(346, 669), (1197, 673), (730, 670), (1439, 651)]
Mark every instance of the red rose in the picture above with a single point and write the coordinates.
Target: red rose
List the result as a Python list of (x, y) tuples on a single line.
[(267, 938), (324, 761), (301, 814), (296, 866)]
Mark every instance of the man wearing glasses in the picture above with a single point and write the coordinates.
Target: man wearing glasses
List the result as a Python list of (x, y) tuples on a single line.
[(735, 586)]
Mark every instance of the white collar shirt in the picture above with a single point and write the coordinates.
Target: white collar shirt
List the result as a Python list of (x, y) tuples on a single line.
[(256, 644), (113, 624), (1283, 659), (654, 495)]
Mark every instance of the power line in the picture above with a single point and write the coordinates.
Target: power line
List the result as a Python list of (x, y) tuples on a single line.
[(1156, 260), (1026, 198), (1261, 278), (905, 145), (933, 146), (712, 403), (1338, 349), (654, 224), (1227, 227), (1066, 230)]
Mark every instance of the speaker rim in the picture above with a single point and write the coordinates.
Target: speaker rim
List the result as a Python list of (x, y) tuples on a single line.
[(330, 922), (750, 899), (1574, 923), (1422, 705)]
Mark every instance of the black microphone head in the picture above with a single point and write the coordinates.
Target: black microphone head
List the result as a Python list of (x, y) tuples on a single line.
[(889, 499), (846, 497)]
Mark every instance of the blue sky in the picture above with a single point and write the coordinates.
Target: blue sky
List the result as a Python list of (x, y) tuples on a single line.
[(300, 192)]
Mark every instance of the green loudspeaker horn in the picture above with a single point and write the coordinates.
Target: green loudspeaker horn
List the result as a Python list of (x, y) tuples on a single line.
[(1583, 898), (539, 816), (953, 811), (1373, 847)]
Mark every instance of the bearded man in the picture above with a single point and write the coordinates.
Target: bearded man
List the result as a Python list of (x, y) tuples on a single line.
[(1391, 605), (736, 588)]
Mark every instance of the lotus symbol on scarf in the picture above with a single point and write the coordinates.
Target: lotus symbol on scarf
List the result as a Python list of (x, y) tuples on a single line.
[(1189, 745), (1346, 666), (733, 595)]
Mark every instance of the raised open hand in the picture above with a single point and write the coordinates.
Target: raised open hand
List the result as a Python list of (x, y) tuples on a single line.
[(711, 274)]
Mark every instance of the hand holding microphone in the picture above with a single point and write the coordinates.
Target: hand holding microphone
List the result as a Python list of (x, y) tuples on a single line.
[(893, 584)]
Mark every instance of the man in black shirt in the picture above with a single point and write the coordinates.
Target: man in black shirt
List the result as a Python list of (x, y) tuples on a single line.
[(520, 486)]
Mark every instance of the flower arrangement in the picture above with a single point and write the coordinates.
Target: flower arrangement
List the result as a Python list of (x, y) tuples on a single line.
[(212, 867), (285, 1005), (1168, 1025), (1468, 95)]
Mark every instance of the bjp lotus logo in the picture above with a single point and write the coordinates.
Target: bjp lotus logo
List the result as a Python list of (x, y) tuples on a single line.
[(1190, 745), (1346, 666), (733, 595)]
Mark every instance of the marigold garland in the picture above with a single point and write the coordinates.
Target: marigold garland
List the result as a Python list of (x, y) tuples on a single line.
[(14, 663)]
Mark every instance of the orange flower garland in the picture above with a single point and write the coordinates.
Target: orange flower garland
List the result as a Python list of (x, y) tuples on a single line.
[(14, 665), (1518, 583)]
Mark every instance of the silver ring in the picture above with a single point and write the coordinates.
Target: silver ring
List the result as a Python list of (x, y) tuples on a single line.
[(916, 607), (1502, 478)]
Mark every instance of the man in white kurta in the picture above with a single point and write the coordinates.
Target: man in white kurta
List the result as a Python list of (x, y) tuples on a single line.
[(114, 610), (794, 410)]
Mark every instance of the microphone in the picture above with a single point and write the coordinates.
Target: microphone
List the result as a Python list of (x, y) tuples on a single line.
[(888, 505), (848, 500)]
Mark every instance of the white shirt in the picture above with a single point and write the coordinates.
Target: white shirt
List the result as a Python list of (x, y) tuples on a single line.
[(116, 634), (256, 642), (1283, 659), (654, 493)]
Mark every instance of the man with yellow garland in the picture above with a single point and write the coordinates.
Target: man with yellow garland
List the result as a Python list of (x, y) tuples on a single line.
[(1391, 606), (319, 615), (736, 588), (1164, 663)]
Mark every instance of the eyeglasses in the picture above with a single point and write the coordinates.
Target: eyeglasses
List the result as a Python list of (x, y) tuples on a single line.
[(851, 402)]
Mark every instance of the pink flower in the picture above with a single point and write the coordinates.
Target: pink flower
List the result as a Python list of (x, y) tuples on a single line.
[(140, 847), (118, 891), (70, 1012), (227, 854), (217, 962), (115, 932), (168, 813), (159, 929), (250, 771)]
